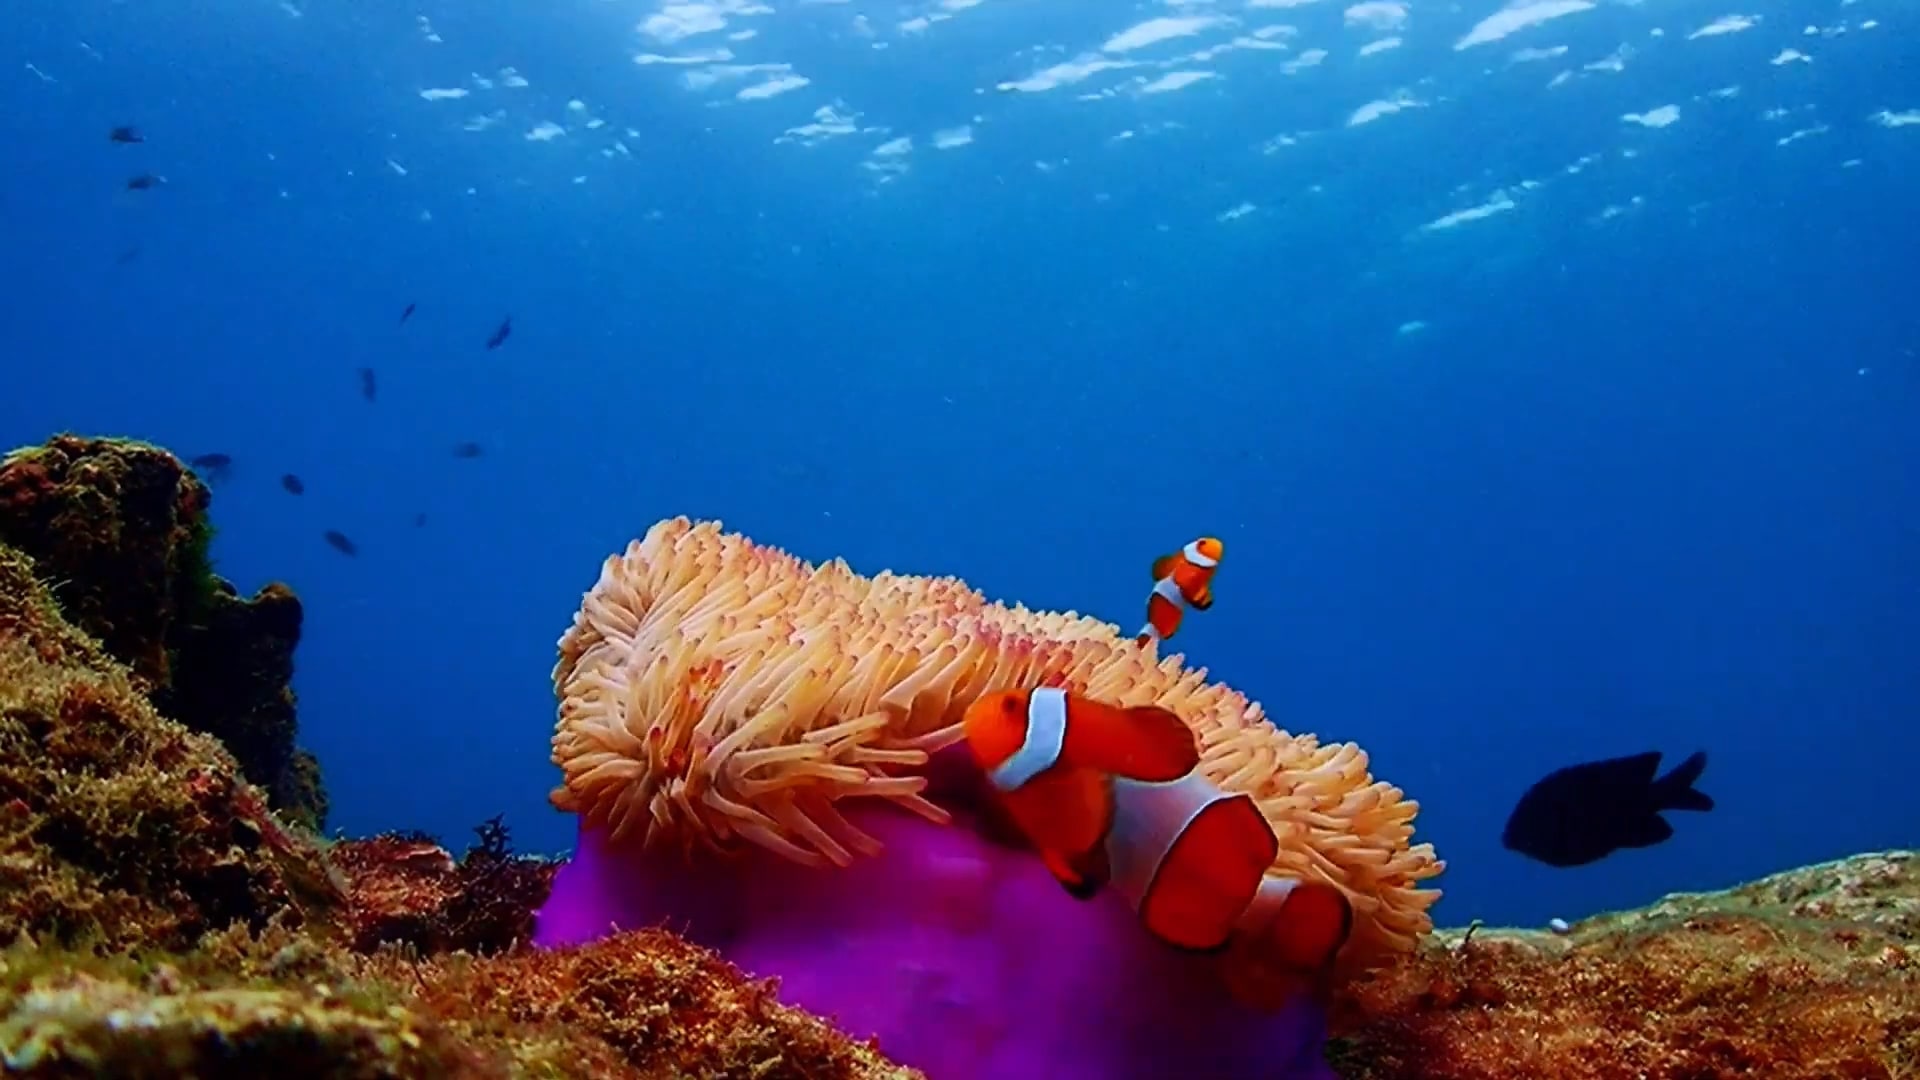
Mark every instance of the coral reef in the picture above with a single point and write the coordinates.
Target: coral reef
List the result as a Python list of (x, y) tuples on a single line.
[(120, 531), (1812, 974), (157, 919)]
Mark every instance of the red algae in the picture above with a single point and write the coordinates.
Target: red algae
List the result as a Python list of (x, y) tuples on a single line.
[(405, 888)]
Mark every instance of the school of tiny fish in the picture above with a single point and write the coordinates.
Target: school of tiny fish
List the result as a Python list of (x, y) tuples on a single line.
[(217, 467)]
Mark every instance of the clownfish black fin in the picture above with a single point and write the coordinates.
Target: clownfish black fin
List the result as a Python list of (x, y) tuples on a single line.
[(1203, 599), (1082, 877)]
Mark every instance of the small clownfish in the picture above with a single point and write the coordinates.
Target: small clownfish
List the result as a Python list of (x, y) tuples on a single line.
[(1113, 797), (1181, 580)]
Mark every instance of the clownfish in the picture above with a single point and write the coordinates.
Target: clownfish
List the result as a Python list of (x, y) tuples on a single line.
[(1052, 758), (1113, 797), (1181, 580)]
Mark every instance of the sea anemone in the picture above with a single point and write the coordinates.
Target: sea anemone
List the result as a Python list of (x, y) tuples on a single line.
[(757, 752), (716, 692)]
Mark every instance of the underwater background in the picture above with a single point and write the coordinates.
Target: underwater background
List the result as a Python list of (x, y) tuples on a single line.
[(1548, 373)]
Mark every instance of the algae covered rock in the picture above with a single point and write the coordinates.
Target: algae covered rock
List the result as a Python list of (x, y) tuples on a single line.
[(1812, 974), (407, 889), (639, 1007), (118, 827), (119, 529), (77, 1024)]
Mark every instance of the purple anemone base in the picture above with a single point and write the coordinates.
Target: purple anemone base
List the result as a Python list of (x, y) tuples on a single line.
[(962, 957)]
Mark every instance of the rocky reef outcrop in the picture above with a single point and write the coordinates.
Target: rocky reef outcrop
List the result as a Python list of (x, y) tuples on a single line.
[(119, 530), (120, 829)]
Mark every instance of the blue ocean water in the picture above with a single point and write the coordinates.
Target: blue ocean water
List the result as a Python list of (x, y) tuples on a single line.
[(1548, 371)]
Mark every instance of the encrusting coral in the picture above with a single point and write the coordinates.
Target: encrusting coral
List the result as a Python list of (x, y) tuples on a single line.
[(1812, 974), (715, 691), (119, 529)]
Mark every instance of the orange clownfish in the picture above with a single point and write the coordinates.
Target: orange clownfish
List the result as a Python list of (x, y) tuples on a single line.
[(1113, 797), (1051, 758), (1181, 580)]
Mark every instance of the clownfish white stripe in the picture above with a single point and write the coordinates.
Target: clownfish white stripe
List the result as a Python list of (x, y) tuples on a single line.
[(1196, 557), (1147, 819), (1273, 893), (1148, 631), (1046, 734), (1170, 592)]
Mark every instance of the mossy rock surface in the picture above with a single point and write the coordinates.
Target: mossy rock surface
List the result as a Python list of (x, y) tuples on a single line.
[(120, 532), (1810, 974), (119, 827)]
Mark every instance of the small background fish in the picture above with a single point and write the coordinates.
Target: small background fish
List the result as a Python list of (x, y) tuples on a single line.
[(214, 468)]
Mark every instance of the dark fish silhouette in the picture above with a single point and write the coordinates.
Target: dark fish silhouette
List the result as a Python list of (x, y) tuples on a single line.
[(127, 134), (500, 335), (212, 466), (338, 541), (419, 520), (1584, 813), (368, 389), (467, 450), (145, 181), (293, 484), (407, 314)]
